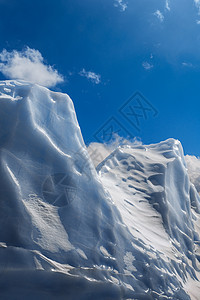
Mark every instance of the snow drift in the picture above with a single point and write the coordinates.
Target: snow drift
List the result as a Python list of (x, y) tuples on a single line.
[(130, 232)]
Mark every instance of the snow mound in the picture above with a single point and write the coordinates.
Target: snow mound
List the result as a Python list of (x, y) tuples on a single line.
[(66, 233)]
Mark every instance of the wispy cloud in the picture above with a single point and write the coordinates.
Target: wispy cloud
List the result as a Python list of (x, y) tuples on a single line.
[(187, 64), (159, 15), (121, 4), (167, 6), (197, 2), (147, 66), (95, 78), (28, 65)]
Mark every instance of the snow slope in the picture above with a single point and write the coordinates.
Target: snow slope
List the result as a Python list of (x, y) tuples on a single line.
[(159, 206), (193, 165), (131, 232)]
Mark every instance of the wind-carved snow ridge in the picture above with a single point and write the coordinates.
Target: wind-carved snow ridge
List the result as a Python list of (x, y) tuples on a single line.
[(159, 205), (131, 232)]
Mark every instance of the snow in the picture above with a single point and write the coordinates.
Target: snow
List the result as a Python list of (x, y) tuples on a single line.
[(151, 188), (128, 231), (193, 165)]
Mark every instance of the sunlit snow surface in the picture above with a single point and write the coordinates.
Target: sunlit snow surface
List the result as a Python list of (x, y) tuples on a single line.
[(130, 232)]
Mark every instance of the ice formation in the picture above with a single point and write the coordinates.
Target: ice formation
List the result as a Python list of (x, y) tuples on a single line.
[(129, 232)]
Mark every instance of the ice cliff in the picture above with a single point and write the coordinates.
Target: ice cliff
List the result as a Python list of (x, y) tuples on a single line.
[(129, 232)]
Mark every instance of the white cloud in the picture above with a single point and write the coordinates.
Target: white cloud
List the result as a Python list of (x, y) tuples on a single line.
[(121, 4), (167, 5), (99, 151), (28, 65), (159, 15), (95, 78), (186, 64), (197, 2), (147, 66)]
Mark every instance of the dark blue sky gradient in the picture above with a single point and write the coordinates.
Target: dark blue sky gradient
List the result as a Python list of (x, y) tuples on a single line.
[(95, 35)]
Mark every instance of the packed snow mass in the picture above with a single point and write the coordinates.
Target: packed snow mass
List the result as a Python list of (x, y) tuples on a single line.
[(127, 227)]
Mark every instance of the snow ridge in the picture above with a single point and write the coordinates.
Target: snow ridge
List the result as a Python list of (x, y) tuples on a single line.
[(158, 203)]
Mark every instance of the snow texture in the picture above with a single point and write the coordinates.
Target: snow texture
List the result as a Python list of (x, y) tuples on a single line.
[(129, 232), (193, 165)]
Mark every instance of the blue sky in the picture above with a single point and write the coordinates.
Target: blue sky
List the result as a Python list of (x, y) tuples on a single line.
[(105, 51)]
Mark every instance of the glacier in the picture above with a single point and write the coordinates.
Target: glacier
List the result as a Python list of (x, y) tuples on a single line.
[(127, 229)]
